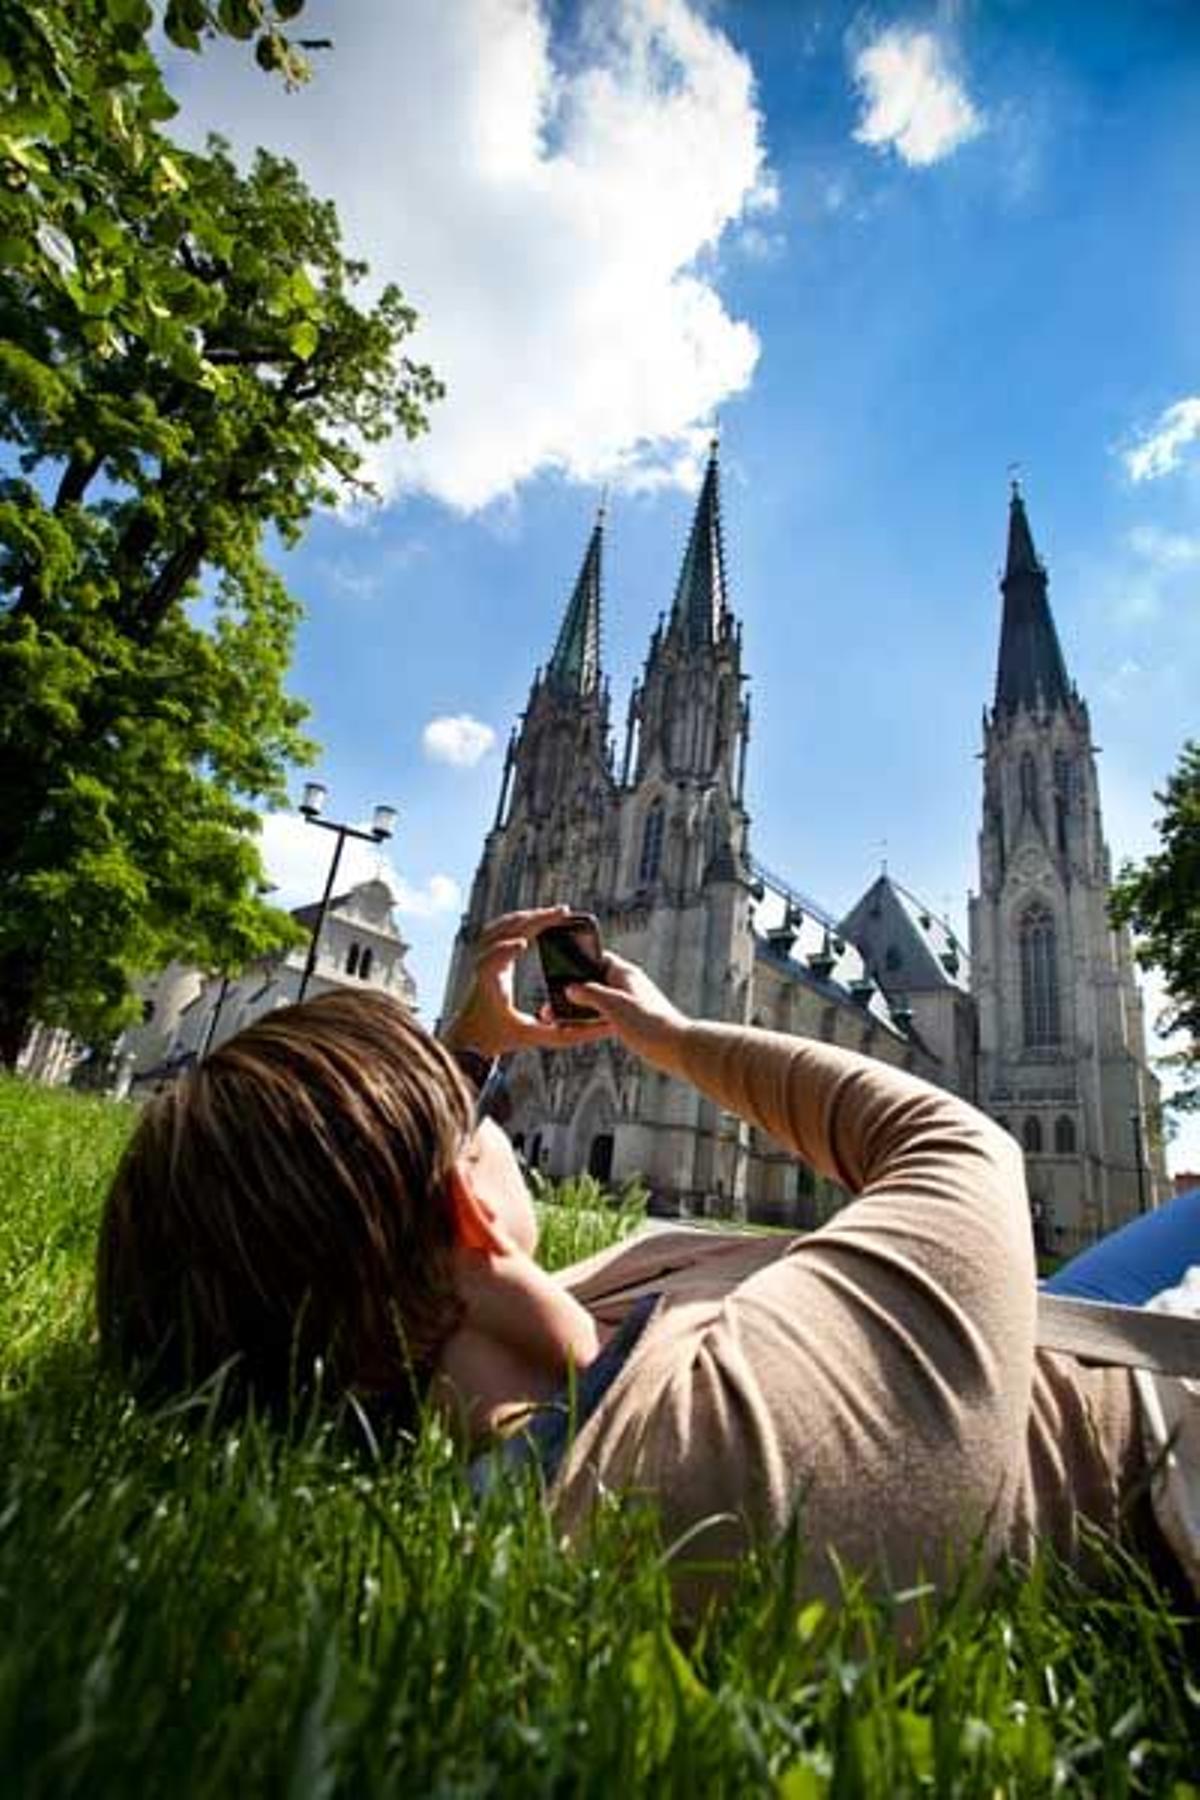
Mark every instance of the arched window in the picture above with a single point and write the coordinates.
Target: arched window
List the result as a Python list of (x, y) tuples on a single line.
[(652, 841), (1032, 1136), (1064, 1136), (364, 964), (514, 875), (1039, 978), (1029, 785), (352, 960), (1062, 796)]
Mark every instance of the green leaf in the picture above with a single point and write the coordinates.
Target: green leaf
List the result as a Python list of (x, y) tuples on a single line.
[(304, 338), (270, 52), (240, 18)]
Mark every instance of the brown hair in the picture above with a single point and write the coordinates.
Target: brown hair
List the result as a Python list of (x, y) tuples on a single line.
[(281, 1207)]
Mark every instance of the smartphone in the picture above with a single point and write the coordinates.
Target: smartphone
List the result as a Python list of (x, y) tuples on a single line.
[(571, 952)]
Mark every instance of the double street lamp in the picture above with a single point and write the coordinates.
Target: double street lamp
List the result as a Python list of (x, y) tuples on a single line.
[(383, 824)]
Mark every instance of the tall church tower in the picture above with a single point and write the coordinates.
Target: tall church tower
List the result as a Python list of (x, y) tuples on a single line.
[(1062, 1059), (660, 856), (685, 835), (554, 836)]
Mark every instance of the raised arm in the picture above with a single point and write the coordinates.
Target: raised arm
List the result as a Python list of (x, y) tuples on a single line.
[(880, 1371)]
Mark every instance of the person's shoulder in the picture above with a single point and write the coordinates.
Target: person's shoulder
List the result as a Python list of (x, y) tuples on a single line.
[(662, 1251)]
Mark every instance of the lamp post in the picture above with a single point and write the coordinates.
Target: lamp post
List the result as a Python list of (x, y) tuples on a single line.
[(1135, 1120), (383, 824)]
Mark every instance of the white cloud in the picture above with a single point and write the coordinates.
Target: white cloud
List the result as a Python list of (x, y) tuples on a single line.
[(1162, 447), (552, 217), (440, 895), (913, 103), (1166, 550), (297, 859), (458, 740)]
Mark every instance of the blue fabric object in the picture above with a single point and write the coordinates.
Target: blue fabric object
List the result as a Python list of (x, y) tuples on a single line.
[(547, 1436), (1130, 1266)]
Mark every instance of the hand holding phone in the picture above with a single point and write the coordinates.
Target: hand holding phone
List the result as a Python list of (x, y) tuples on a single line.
[(571, 952)]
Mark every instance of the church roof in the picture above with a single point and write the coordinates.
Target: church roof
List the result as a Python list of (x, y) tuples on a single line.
[(575, 665), (904, 942), (1030, 670), (700, 596), (793, 930)]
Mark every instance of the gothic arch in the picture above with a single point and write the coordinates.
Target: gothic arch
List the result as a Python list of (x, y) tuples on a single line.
[(1031, 1135), (528, 1098), (595, 1117), (1040, 1004), (651, 843), (1064, 1136)]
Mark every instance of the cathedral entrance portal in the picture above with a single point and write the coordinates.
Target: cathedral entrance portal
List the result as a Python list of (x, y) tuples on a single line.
[(600, 1156), (592, 1135)]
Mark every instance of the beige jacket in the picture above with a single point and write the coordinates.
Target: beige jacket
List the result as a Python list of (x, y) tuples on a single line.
[(880, 1373)]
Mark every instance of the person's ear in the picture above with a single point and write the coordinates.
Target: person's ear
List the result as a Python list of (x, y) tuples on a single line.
[(476, 1226)]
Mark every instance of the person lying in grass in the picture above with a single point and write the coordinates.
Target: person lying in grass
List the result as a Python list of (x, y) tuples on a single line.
[(327, 1190)]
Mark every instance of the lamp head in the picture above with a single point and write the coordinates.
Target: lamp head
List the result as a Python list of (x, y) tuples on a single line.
[(383, 822), (312, 805)]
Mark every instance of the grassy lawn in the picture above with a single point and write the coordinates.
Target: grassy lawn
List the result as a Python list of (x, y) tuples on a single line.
[(195, 1611)]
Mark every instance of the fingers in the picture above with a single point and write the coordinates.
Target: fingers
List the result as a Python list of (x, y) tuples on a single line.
[(596, 995), (524, 924), (499, 955)]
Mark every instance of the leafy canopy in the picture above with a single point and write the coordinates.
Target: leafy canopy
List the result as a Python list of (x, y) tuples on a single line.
[(1161, 901), (184, 366)]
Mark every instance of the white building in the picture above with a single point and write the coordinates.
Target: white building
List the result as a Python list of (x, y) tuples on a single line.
[(188, 1013)]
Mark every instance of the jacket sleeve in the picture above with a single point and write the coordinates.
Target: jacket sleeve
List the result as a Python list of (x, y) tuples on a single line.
[(876, 1376)]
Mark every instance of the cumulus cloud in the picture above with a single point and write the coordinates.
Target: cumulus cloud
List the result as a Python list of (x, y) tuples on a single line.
[(1161, 448), (297, 862), (550, 206), (913, 103), (458, 740)]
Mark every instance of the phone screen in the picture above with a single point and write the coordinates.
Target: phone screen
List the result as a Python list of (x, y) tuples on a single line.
[(570, 952)]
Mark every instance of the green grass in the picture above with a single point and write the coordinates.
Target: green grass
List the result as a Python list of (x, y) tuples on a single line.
[(197, 1611)]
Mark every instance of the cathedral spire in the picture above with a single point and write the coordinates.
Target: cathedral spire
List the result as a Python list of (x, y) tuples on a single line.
[(1030, 670), (700, 597), (575, 665)]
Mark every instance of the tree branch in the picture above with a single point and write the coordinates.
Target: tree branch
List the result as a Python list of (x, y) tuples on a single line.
[(77, 477)]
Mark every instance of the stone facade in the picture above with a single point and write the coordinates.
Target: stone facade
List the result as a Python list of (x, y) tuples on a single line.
[(660, 852)]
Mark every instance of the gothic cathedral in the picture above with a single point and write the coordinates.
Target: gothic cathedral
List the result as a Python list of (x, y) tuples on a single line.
[(1041, 1025)]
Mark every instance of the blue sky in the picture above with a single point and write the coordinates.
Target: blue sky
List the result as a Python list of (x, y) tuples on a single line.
[(895, 249)]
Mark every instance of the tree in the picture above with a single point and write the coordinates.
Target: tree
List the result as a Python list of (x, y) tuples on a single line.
[(1160, 900), (183, 366)]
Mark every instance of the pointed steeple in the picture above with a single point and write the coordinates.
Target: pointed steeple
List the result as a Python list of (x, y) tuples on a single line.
[(1030, 670), (700, 597), (574, 668)]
